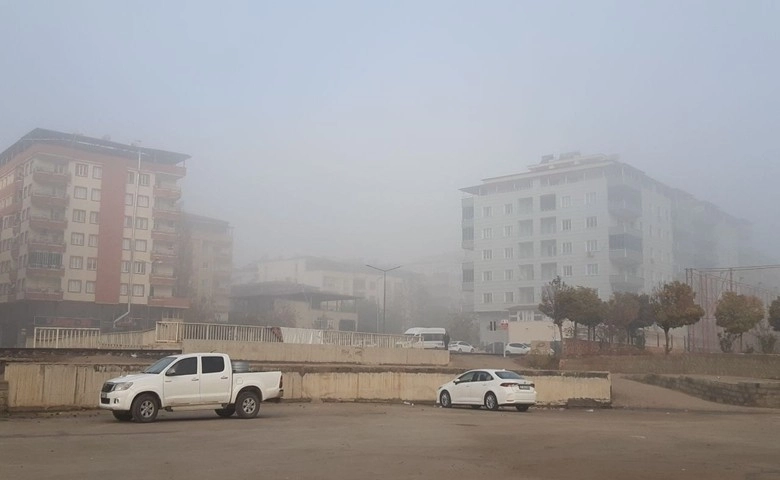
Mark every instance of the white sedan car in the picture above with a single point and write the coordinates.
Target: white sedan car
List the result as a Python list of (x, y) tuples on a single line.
[(517, 349), (461, 347), (491, 388)]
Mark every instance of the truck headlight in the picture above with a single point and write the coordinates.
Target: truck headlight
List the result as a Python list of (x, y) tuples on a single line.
[(118, 387)]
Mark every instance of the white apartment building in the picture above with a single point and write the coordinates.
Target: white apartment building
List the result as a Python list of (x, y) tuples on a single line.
[(592, 220)]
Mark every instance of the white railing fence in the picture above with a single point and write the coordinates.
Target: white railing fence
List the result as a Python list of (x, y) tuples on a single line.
[(57, 337)]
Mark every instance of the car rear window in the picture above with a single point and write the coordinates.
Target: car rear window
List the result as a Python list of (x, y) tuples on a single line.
[(507, 375)]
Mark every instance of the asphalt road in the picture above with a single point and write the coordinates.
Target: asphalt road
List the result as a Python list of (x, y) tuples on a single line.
[(380, 441)]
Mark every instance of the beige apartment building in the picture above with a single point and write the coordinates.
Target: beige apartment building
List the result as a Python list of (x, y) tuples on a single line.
[(210, 241), (89, 234)]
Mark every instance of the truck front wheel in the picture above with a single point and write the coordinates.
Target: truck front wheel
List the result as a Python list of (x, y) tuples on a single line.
[(247, 404), (226, 412), (144, 409)]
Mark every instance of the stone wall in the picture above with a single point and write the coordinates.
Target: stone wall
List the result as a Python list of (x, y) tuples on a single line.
[(746, 393)]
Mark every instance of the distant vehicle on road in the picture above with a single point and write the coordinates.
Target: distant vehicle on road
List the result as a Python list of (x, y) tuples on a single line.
[(461, 347), (430, 337), (491, 388), (196, 381), (517, 349)]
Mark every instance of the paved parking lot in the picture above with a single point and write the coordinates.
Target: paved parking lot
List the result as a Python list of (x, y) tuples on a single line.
[(379, 441)]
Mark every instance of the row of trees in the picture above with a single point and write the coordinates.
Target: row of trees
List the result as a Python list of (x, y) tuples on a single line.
[(670, 306)]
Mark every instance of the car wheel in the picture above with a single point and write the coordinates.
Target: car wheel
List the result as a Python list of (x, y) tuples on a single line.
[(445, 400), (226, 412), (122, 416), (247, 404), (144, 409), (491, 402), (522, 408), (476, 407)]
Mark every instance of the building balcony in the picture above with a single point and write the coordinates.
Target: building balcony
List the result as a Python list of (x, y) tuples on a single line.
[(10, 209), (42, 175), (621, 229), (624, 256), (39, 294), (468, 286), (626, 283), (48, 223), (624, 209), (44, 271), (162, 279), (175, 170), (172, 192), (45, 244), (467, 244), (48, 200), (167, 213), (169, 302), (165, 235)]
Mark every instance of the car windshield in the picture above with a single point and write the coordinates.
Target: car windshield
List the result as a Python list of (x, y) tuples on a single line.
[(159, 365), (507, 375)]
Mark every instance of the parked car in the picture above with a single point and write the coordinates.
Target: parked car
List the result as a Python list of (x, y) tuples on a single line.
[(196, 381), (495, 347), (517, 349), (462, 347), (491, 388)]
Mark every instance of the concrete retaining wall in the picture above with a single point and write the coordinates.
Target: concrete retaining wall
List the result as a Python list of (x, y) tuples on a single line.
[(332, 354), (51, 386), (720, 364), (3, 396), (746, 393)]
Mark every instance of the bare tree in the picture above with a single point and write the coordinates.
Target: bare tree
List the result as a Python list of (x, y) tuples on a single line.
[(557, 303)]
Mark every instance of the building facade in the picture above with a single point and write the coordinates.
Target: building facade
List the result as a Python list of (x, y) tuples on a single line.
[(89, 234), (210, 244), (592, 220)]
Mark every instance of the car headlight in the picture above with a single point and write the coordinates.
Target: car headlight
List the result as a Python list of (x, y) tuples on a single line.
[(118, 387)]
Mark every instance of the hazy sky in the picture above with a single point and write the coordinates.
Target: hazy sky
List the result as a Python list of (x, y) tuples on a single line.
[(346, 128)]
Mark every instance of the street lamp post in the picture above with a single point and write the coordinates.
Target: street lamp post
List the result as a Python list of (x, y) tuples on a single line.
[(384, 292)]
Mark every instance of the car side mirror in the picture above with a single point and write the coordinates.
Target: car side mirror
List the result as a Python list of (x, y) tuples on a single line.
[(170, 372), (456, 381)]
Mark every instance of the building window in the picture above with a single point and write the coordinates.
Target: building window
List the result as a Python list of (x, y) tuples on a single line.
[(93, 240), (80, 193), (508, 209), (95, 194), (141, 223), (130, 178), (525, 295), (125, 244), (487, 254), (566, 248), (82, 170), (525, 228), (549, 248), (568, 271), (74, 286), (138, 290), (487, 298), (590, 198), (509, 297), (128, 221), (509, 252), (591, 222), (592, 246), (507, 231), (468, 213), (468, 276), (143, 179), (592, 269), (547, 225), (125, 266), (129, 199), (140, 245), (566, 201), (547, 202), (468, 234), (123, 289), (525, 205), (143, 201), (91, 263), (549, 271), (79, 216), (487, 211), (97, 172), (487, 276), (76, 238), (140, 268), (525, 250), (76, 262), (94, 217), (566, 225), (487, 233), (508, 274), (89, 287), (492, 325), (526, 272)]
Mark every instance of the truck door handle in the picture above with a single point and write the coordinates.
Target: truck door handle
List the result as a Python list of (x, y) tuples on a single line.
[(194, 379), (223, 378)]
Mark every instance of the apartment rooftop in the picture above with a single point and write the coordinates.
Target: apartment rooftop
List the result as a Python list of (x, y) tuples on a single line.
[(41, 136)]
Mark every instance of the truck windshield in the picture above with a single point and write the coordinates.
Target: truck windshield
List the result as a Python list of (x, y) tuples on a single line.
[(159, 365)]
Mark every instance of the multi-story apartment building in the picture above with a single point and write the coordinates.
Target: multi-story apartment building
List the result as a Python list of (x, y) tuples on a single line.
[(592, 220), (210, 241), (88, 233)]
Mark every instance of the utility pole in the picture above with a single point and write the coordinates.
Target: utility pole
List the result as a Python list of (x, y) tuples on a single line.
[(384, 292)]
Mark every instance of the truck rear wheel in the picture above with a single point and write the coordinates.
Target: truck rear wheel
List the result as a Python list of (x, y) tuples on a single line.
[(144, 409), (247, 404), (226, 412)]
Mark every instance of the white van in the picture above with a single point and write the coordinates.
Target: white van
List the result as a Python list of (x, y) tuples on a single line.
[(430, 337)]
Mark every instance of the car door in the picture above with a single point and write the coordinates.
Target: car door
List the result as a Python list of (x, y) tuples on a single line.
[(480, 386), (461, 389), (214, 379), (182, 383)]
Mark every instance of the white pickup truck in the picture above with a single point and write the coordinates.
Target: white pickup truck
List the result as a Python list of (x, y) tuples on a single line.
[(195, 381)]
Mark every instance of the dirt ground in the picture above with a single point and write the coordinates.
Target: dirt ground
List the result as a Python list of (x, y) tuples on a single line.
[(379, 441)]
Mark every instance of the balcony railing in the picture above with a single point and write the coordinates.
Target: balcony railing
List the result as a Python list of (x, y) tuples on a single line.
[(626, 282), (39, 294), (47, 244), (623, 209), (625, 256), (44, 271), (165, 235), (169, 302), (621, 229), (48, 223), (167, 213), (42, 175), (162, 279)]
